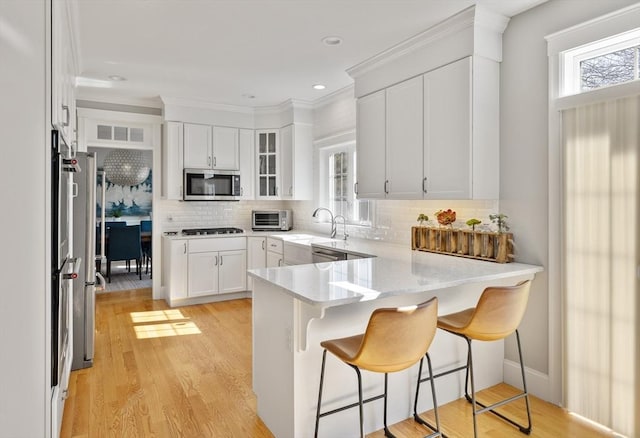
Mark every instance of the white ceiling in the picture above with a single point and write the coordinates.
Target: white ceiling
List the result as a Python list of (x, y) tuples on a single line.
[(222, 50)]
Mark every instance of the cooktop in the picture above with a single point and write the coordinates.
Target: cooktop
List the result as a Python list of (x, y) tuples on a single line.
[(207, 231)]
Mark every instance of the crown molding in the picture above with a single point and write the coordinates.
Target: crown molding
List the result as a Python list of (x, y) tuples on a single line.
[(193, 103), (94, 96), (471, 17), (342, 93)]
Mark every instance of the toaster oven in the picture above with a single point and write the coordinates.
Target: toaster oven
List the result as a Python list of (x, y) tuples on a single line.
[(270, 220)]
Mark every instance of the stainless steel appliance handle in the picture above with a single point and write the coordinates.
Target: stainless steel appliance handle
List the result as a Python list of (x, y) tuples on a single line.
[(318, 257), (102, 282), (103, 197)]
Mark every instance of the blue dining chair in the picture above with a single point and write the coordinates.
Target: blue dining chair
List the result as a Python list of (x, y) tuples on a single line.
[(146, 227), (124, 244)]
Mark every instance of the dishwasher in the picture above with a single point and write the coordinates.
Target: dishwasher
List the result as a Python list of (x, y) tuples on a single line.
[(320, 255)]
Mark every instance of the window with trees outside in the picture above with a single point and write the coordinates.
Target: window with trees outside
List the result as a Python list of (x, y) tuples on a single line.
[(611, 61), (338, 174)]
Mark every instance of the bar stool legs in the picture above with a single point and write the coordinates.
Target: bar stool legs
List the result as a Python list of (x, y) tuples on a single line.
[(471, 398), (490, 408), (360, 402), (417, 417), (388, 345)]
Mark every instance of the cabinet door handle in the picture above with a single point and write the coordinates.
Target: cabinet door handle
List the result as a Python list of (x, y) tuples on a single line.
[(221, 258), (216, 263), (67, 115), (279, 262), (185, 248), (355, 188), (424, 184), (241, 191), (263, 245), (209, 161), (386, 187), (214, 161)]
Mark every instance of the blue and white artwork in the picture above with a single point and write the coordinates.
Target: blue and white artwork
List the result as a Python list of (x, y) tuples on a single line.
[(126, 200)]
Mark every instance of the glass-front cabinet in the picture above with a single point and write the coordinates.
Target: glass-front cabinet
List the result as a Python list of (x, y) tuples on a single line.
[(268, 166)]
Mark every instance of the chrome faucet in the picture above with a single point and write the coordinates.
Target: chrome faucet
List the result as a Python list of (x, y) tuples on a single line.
[(344, 226), (333, 220)]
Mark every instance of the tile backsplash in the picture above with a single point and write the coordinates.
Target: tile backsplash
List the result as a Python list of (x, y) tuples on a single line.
[(177, 215), (392, 219)]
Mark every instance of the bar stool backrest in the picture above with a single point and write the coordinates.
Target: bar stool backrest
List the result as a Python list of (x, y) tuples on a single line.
[(397, 338), (498, 312)]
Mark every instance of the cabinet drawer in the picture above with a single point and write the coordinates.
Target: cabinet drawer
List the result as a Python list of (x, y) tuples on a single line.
[(217, 244), (274, 245)]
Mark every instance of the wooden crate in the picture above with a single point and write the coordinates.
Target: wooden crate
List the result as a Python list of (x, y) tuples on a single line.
[(481, 245)]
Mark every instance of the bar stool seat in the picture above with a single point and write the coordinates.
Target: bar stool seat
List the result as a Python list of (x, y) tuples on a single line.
[(395, 339), (496, 316)]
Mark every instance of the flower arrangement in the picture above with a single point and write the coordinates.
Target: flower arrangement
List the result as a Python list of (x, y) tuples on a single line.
[(446, 217), (473, 222), (422, 218), (500, 220)]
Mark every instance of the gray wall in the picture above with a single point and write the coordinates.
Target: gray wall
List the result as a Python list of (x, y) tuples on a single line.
[(524, 143), (24, 267)]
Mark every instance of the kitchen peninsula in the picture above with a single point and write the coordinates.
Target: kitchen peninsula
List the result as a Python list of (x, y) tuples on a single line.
[(296, 307)]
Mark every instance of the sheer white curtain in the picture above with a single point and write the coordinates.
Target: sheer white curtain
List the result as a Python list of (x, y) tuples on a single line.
[(601, 253)]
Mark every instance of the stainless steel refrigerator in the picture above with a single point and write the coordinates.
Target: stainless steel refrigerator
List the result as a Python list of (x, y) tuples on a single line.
[(84, 246)]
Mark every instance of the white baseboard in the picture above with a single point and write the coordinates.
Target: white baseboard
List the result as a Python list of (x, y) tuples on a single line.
[(537, 382)]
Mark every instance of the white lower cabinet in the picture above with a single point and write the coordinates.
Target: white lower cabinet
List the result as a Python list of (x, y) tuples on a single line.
[(175, 262), (203, 267), (217, 265), (275, 252), (232, 270), (256, 256), (203, 273)]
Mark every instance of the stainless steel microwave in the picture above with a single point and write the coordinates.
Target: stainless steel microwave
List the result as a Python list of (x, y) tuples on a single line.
[(269, 220), (211, 185)]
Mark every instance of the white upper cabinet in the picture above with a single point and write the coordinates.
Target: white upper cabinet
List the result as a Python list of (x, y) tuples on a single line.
[(296, 160), (447, 132), (211, 147), (286, 162), (198, 146), (428, 112), (172, 160), (434, 136), (404, 143), (226, 151), (370, 146), (247, 163), (63, 72), (267, 158)]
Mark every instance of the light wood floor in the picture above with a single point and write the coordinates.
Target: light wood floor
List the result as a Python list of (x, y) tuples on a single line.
[(186, 372)]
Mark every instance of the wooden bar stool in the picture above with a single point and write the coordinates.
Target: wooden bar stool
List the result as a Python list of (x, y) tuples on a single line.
[(496, 316), (395, 339)]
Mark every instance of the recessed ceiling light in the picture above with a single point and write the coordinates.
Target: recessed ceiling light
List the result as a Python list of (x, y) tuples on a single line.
[(117, 78), (319, 87), (332, 40), (248, 96)]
